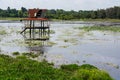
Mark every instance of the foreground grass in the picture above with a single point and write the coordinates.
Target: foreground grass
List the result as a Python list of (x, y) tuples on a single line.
[(22, 68), (101, 28)]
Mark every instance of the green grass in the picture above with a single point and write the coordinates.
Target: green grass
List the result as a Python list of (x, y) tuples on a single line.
[(101, 28), (23, 68), (10, 18), (102, 20)]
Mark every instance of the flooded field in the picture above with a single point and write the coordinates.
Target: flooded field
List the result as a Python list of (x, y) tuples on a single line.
[(66, 44)]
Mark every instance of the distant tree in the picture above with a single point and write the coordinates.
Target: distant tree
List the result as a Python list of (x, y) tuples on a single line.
[(101, 13), (23, 12), (81, 14), (8, 9), (93, 14), (23, 9), (118, 13), (112, 13), (13, 13), (20, 13)]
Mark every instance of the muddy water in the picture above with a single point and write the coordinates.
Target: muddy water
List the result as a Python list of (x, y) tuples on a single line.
[(68, 45)]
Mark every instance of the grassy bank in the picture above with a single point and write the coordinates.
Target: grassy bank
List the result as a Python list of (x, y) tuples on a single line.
[(101, 28), (101, 20), (10, 18), (22, 68)]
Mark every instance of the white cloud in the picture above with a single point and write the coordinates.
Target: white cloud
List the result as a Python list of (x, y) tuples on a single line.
[(60, 4)]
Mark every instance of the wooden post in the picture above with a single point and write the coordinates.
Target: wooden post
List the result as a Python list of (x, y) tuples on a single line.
[(33, 30), (30, 28), (43, 29)]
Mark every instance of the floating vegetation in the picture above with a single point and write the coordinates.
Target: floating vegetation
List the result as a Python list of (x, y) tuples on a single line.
[(81, 33), (78, 62), (3, 32), (16, 53), (58, 56), (113, 65), (84, 61), (88, 55), (65, 40), (71, 40), (31, 54), (34, 43), (63, 46), (101, 28), (67, 33), (51, 43), (52, 32)]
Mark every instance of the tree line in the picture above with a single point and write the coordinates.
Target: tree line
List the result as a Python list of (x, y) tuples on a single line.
[(111, 13), (13, 12)]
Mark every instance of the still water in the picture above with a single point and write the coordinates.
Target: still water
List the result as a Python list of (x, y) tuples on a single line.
[(67, 45)]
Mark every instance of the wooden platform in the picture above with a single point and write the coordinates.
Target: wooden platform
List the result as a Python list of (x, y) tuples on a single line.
[(36, 27)]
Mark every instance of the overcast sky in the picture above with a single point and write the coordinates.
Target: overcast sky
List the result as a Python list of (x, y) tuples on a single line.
[(60, 4)]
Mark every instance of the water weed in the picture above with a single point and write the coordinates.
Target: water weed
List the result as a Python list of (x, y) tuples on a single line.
[(101, 28)]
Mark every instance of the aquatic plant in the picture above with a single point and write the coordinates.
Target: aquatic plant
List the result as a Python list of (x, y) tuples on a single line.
[(23, 68), (15, 53), (50, 43), (113, 65), (52, 32), (65, 40), (31, 54), (71, 40), (101, 28), (3, 32), (34, 43)]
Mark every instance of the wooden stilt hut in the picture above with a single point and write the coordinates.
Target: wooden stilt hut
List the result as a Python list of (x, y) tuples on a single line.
[(36, 21)]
